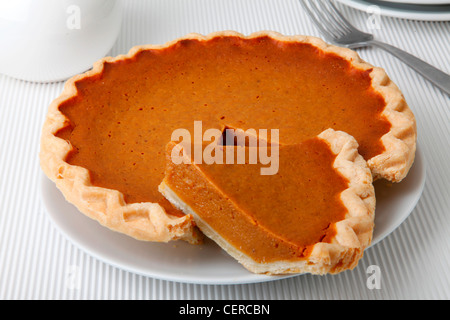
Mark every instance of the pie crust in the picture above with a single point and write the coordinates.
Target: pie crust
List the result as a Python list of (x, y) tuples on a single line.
[(148, 221), (341, 252)]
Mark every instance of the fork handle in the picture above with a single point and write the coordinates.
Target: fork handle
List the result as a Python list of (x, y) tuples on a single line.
[(436, 76)]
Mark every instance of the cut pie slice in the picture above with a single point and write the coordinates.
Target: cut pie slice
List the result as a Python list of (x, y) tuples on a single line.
[(315, 214), (103, 141)]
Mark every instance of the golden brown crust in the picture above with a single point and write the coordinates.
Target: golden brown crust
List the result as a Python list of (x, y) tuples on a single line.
[(143, 221), (148, 221), (400, 142), (353, 234)]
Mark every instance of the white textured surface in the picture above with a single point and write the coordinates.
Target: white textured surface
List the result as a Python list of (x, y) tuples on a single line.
[(37, 262)]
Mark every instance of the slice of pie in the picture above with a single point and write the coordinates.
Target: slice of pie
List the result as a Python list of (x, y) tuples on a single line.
[(315, 214), (103, 142)]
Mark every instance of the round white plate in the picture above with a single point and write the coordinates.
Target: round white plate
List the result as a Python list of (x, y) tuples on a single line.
[(207, 263), (402, 10)]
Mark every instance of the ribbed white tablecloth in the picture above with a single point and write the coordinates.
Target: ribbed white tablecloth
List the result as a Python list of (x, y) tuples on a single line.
[(35, 258)]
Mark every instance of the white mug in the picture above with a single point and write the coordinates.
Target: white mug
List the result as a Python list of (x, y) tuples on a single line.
[(52, 40)]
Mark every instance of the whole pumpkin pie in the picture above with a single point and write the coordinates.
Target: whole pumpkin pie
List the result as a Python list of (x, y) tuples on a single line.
[(104, 140)]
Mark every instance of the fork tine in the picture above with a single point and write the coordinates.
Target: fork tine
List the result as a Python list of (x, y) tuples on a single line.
[(311, 14), (335, 17), (326, 17), (343, 20), (333, 25), (328, 30)]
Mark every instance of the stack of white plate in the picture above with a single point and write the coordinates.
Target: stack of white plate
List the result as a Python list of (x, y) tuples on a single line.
[(427, 10)]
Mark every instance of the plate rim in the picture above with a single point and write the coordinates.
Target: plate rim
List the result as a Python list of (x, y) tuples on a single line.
[(419, 2), (363, 5), (419, 158)]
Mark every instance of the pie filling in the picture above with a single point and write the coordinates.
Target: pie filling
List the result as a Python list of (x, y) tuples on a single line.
[(122, 118), (267, 217)]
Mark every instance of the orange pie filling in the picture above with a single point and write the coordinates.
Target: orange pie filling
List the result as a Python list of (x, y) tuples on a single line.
[(122, 118), (267, 217)]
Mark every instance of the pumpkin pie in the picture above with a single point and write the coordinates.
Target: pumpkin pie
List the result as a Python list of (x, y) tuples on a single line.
[(104, 139), (315, 214)]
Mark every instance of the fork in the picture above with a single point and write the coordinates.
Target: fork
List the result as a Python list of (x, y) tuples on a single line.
[(337, 30)]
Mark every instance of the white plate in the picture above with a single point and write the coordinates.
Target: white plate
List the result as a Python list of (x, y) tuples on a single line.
[(207, 263), (401, 10), (420, 2)]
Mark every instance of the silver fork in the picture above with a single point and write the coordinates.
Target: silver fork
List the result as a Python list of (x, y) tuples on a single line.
[(337, 30)]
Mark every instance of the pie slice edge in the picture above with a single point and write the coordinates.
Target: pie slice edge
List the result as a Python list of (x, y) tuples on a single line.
[(353, 234)]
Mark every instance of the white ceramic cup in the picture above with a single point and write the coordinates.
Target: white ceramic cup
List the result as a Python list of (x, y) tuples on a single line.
[(52, 40)]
